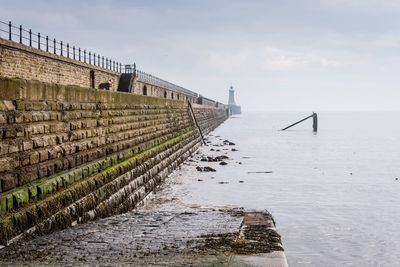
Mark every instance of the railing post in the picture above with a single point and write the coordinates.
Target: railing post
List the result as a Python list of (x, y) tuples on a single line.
[(30, 37), (73, 51), (67, 50), (54, 48), (20, 34), (94, 59), (102, 61), (47, 43), (38, 40), (61, 45), (84, 55), (106, 63), (98, 60), (79, 54), (9, 31), (90, 58)]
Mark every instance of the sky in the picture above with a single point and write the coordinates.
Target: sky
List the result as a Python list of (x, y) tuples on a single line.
[(299, 55)]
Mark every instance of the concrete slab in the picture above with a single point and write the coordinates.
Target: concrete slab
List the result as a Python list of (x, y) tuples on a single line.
[(273, 259)]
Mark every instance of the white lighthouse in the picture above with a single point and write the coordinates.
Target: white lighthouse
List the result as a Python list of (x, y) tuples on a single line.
[(233, 108)]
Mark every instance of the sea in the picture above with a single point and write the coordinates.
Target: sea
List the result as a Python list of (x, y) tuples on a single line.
[(334, 194)]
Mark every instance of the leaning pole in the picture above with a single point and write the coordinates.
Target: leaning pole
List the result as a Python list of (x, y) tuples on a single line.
[(315, 122)]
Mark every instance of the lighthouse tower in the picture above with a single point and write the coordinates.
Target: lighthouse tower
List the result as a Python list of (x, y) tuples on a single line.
[(233, 108), (231, 100)]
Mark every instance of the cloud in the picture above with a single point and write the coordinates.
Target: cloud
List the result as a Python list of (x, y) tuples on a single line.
[(280, 59), (371, 5), (282, 51), (386, 41), (266, 57)]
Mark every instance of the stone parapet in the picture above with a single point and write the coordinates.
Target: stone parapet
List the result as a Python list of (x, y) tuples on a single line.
[(22, 61)]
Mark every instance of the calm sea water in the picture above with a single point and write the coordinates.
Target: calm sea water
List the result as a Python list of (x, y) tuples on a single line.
[(333, 194)]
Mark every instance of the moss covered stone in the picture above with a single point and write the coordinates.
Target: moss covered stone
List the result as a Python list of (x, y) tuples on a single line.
[(3, 205), (32, 192), (47, 187), (20, 197)]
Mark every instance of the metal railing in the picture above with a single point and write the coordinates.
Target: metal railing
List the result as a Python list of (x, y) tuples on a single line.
[(149, 78), (51, 45), (146, 77)]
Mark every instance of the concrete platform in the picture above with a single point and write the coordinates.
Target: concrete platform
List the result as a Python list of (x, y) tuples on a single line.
[(167, 236)]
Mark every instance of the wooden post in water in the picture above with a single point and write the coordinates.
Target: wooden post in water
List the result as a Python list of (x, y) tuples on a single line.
[(315, 122)]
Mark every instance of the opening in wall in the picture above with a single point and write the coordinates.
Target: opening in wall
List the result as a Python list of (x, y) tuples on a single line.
[(92, 79), (165, 94), (144, 90)]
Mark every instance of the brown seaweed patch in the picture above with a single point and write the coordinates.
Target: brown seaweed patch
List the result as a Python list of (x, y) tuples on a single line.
[(256, 235)]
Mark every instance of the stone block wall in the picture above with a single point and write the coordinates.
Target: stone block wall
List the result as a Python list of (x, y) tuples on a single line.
[(21, 61), (70, 154), (154, 90)]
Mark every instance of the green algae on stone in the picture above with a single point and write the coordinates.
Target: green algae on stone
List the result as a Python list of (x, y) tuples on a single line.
[(3, 205), (33, 192), (6, 229), (55, 202), (20, 197)]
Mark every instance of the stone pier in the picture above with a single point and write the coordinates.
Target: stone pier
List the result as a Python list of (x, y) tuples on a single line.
[(70, 154)]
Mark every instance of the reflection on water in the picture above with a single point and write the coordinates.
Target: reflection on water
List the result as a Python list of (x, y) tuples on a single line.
[(333, 194)]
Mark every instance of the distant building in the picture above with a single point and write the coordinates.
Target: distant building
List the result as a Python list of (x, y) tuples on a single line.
[(233, 108)]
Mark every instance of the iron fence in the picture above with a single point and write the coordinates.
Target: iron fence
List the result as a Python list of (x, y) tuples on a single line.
[(65, 49), (146, 77), (51, 45)]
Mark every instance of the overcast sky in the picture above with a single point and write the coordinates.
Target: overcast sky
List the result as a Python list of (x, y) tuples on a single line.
[(319, 55)]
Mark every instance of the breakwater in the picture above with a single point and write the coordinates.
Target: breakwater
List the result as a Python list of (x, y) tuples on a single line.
[(84, 137), (71, 154)]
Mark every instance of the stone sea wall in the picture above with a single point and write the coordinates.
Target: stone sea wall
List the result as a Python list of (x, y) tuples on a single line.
[(26, 62), (21, 61), (70, 154), (153, 90)]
